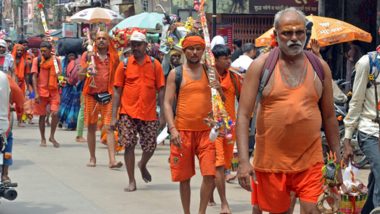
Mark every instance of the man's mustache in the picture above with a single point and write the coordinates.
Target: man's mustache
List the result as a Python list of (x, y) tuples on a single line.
[(291, 43)]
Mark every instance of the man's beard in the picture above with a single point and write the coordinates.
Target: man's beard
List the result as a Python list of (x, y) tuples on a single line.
[(291, 48)]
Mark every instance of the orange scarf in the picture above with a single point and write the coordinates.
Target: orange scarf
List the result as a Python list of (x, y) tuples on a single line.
[(49, 65), (113, 63), (19, 67)]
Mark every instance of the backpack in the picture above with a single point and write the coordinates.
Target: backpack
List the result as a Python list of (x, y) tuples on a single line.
[(270, 64), (373, 73)]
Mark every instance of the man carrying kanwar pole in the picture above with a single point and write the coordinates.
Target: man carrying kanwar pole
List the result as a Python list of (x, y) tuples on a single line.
[(189, 132), (95, 87), (137, 81), (20, 68), (45, 86), (295, 103)]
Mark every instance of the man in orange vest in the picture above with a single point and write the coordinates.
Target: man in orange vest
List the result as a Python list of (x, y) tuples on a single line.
[(189, 132), (295, 104)]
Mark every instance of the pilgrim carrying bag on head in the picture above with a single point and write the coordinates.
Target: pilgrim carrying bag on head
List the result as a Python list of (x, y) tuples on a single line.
[(70, 45), (103, 98)]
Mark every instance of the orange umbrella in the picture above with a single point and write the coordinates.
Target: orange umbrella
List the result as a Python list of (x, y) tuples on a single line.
[(327, 31)]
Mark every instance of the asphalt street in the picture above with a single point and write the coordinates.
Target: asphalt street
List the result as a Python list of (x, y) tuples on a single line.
[(55, 180)]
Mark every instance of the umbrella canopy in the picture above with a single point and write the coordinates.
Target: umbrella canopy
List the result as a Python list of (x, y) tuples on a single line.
[(152, 22), (327, 31), (95, 15)]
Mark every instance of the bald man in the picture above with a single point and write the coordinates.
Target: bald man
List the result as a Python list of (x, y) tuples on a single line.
[(101, 83)]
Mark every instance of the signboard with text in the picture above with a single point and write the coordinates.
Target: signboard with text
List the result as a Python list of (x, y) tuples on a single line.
[(272, 7), (250, 6)]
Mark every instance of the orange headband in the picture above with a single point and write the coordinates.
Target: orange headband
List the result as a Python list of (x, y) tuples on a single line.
[(193, 40)]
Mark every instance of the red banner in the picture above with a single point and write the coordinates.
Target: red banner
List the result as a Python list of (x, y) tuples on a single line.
[(226, 31)]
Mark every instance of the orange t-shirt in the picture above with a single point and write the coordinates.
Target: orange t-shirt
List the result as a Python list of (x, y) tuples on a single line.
[(102, 73), (43, 78), (194, 104), (288, 137), (140, 84)]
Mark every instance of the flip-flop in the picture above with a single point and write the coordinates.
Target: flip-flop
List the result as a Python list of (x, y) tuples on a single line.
[(117, 165)]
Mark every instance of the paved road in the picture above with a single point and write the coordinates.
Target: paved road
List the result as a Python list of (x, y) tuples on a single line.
[(57, 181)]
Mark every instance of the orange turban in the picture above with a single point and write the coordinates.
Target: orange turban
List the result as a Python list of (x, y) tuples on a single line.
[(193, 40)]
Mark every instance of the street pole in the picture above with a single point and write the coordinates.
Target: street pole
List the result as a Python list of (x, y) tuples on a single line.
[(214, 18), (21, 19), (1, 14), (321, 7)]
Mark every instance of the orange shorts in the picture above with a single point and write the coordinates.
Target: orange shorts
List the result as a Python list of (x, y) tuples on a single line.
[(92, 109), (224, 152), (181, 160), (272, 193), (53, 100)]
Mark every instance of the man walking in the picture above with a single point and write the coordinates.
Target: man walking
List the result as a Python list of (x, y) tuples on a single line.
[(362, 116), (295, 104), (10, 93), (189, 132), (20, 68), (245, 60), (137, 80), (96, 87), (45, 87), (231, 85)]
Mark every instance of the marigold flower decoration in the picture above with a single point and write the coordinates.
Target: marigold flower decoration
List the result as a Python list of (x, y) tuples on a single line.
[(40, 4), (121, 36), (273, 42)]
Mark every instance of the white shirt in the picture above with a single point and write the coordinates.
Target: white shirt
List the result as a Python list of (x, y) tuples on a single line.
[(8, 63), (4, 104), (242, 63), (362, 109)]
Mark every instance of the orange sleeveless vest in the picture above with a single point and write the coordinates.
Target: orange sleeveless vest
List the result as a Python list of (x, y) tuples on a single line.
[(194, 104), (289, 120)]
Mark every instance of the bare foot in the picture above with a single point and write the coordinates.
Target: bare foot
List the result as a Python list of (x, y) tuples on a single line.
[(54, 142), (43, 143), (211, 203), (80, 139), (145, 173), (92, 163), (131, 187), (5, 179), (20, 124), (225, 209), (230, 178), (116, 165)]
